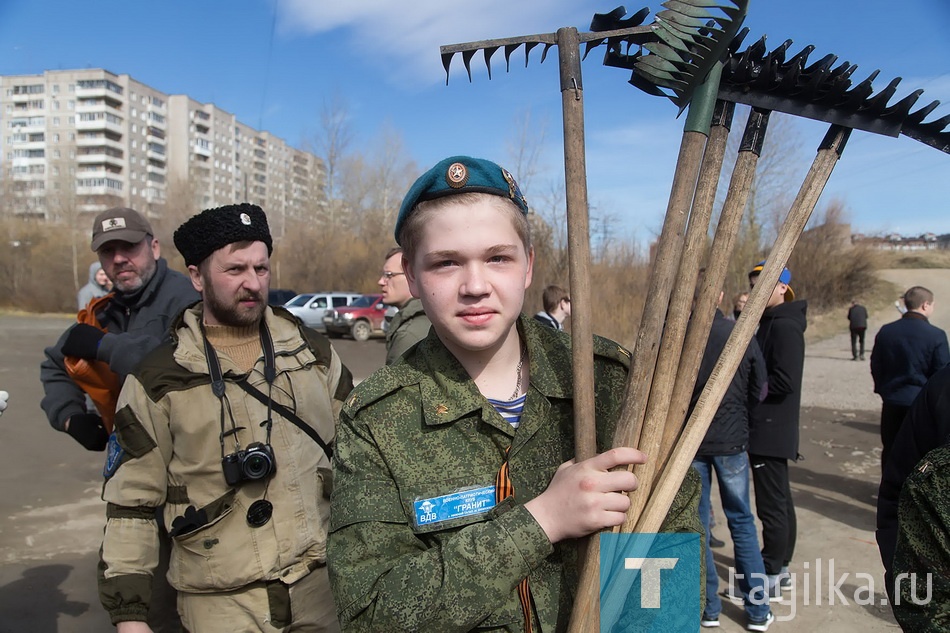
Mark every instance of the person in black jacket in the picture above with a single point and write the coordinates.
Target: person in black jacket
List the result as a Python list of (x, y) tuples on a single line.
[(926, 427), (773, 437), (857, 325), (906, 353), (724, 451)]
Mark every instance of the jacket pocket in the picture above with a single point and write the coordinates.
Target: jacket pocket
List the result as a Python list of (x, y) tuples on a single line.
[(220, 555)]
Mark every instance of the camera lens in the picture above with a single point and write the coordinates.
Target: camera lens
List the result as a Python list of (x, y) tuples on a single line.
[(256, 466)]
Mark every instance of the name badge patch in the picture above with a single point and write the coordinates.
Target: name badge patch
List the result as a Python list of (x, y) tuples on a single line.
[(454, 506)]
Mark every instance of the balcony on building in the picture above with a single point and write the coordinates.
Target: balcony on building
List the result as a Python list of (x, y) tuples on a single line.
[(100, 140), (202, 147)]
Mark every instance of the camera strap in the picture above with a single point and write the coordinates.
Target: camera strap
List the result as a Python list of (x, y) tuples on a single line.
[(270, 374), (218, 386), (290, 416)]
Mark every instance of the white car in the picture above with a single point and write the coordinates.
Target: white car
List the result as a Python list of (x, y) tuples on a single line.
[(310, 307)]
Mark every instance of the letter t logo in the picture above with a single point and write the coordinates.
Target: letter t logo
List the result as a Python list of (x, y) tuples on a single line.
[(650, 578)]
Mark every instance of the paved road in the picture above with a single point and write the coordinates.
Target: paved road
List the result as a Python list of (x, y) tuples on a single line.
[(52, 516)]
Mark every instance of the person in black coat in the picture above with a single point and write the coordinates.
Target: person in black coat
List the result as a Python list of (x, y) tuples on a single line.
[(773, 438), (926, 427), (857, 325), (906, 353)]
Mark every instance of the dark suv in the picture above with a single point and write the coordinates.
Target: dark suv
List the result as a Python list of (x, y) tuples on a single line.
[(361, 319)]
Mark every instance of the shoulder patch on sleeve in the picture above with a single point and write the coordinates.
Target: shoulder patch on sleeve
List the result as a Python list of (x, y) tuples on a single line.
[(159, 374), (131, 434)]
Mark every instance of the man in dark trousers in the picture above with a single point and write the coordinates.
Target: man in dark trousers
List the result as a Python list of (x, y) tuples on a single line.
[(858, 325), (906, 353), (773, 438)]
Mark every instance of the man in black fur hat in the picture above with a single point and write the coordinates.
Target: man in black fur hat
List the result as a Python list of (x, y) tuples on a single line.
[(231, 427)]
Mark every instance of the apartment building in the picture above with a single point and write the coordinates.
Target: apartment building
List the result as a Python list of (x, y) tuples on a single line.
[(80, 141)]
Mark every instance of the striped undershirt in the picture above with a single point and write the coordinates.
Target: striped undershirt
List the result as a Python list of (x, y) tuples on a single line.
[(510, 410)]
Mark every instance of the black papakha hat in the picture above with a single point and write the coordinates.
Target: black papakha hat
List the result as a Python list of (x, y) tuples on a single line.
[(460, 174), (212, 229)]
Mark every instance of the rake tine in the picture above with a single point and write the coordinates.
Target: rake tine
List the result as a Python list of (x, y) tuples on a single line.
[(902, 108), (467, 61), (446, 62), (527, 51), (737, 41), (918, 117), (488, 51), (509, 49), (877, 104)]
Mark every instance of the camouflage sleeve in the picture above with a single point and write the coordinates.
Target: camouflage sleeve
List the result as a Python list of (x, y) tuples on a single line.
[(387, 578), (684, 517), (406, 334), (134, 488), (340, 383), (922, 557)]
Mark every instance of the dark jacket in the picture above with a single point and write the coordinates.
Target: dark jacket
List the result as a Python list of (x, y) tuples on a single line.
[(781, 336), (408, 327), (136, 323), (858, 317), (926, 427), (728, 433), (906, 353)]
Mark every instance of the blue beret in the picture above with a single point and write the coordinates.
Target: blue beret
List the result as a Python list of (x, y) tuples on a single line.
[(460, 174)]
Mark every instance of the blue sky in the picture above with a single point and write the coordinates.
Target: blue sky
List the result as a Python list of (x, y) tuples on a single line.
[(272, 62)]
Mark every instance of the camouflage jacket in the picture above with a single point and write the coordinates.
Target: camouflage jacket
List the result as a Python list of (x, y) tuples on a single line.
[(169, 427), (922, 557), (409, 326), (419, 430)]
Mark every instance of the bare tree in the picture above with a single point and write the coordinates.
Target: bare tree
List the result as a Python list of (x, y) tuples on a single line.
[(332, 143)]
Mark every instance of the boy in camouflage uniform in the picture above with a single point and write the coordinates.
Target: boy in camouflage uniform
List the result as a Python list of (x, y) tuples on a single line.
[(455, 502), (922, 557)]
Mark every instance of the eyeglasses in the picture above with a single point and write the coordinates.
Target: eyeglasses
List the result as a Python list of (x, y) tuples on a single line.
[(389, 274)]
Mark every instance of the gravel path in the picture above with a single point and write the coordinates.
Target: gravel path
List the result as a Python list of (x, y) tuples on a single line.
[(832, 380)]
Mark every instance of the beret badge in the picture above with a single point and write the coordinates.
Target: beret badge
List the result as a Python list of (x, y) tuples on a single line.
[(456, 176)]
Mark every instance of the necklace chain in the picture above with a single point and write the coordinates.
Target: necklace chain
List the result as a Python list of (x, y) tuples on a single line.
[(524, 354)]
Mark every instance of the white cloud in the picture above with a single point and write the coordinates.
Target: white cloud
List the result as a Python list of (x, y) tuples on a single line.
[(406, 37)]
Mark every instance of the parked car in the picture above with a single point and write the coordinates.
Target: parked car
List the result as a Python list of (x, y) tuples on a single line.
[(280, 296), (361, 319), (310, 307)]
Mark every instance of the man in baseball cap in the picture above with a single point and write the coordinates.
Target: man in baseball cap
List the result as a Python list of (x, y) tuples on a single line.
[(773, 425), (193, 414), (147, 296)]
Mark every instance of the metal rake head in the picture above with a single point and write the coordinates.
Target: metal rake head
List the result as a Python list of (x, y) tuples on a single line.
[(691, 36), (825, 92)]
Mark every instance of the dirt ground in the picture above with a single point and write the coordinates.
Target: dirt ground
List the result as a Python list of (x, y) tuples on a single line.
[(52, 516)]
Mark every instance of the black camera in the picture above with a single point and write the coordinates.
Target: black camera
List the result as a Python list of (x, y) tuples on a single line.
[(250, 464)]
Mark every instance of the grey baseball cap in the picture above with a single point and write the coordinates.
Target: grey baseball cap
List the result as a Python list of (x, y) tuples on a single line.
[(119, 223)]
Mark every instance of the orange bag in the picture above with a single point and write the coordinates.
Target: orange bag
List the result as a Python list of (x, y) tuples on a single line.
[(95, 378)]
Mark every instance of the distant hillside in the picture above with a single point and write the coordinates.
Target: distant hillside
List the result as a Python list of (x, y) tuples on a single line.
[(913, 259)]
